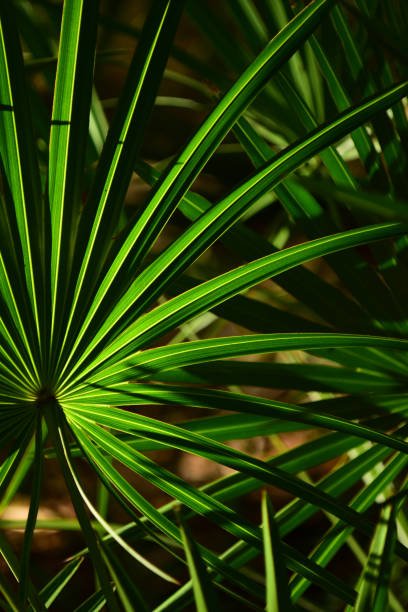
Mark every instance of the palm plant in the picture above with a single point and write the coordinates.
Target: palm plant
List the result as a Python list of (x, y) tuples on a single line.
[(88, 305)]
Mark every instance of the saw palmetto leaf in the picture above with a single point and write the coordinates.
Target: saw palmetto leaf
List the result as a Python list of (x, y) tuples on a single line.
[(277, 592), (68, 137), (199, 328), (204, 595), (211, 225)]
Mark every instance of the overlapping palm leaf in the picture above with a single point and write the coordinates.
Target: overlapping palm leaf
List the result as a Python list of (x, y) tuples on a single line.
[(83, 321)]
